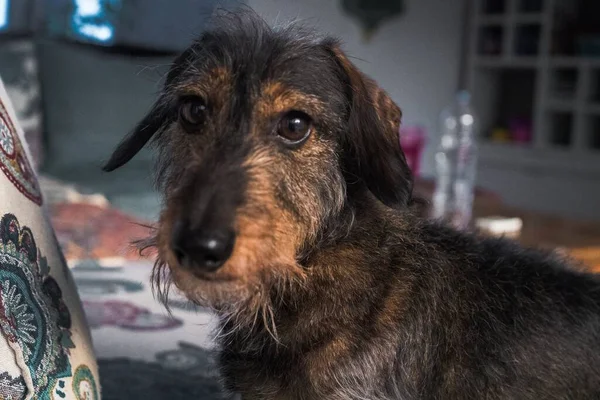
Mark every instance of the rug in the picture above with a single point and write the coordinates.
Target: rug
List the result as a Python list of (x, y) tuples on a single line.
[(105, 234), (143, 351)]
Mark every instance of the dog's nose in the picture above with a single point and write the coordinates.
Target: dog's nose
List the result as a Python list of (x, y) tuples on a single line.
[(204, 249)]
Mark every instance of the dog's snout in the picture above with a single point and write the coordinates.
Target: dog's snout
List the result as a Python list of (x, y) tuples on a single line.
[(206, 250)]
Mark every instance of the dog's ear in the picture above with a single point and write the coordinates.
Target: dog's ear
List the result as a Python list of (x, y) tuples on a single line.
[(154, 122), (371, 143)]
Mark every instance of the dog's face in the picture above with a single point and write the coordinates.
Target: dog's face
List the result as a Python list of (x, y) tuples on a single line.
[(264, 138)]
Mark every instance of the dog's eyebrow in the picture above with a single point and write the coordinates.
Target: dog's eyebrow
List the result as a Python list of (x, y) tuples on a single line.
[(273, 88), (278, 97), (189, 91), (204, 82)]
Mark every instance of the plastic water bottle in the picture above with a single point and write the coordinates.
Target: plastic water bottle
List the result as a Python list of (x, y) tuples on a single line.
[(456, 164)]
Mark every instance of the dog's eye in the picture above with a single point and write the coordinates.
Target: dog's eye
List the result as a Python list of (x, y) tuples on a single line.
[(294, 128), (192, 112)]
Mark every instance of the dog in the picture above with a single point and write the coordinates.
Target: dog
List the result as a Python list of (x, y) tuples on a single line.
[(288, 211)]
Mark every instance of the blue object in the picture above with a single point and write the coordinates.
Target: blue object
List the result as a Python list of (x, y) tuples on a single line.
[(4, 14), (155, 25), (92, 20)]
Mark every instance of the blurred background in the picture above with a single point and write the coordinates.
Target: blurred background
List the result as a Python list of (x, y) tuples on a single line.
[(81, 73)]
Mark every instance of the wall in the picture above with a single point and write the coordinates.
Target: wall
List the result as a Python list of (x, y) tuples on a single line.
[(415, 56), (566, 193), (92, 97)]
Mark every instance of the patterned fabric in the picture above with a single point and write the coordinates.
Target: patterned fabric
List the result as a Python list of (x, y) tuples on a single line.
[(84, 384), (170, 355), (13, 159), (12, 388), (33, 316), (45, 348), (45, 344)]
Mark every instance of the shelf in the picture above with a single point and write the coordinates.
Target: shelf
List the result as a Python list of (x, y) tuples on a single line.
[(532, 19), (573, 62), (531, 6), (490, 40), (563, 84), (592, 109), (560, 128), (499, 7), (506, 62), (592, 132), (546, 160), (593, 95), (491, 146), (527, 40), (492, 19), (492, 7), (505, 19), (559, 105), (542, 104), (504, 98)]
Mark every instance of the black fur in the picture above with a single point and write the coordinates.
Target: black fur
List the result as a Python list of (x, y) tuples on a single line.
[(392, 306)]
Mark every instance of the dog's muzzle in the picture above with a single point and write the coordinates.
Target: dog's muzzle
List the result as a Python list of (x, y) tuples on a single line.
[(205, 250), (202, 234)]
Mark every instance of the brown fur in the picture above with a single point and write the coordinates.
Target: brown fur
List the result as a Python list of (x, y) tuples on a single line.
[(334, 289)]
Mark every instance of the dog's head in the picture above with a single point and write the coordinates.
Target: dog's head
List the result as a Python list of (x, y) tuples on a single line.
[(265, 139)]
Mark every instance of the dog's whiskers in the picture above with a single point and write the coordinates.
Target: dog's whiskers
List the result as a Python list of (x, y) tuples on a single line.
[(269, 322), (161, 282)]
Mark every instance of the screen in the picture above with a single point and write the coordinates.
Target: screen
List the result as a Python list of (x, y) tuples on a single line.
[(3, 14), (91, 19)]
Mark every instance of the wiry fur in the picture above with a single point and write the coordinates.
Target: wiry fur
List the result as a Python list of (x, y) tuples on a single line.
[(335, 289)]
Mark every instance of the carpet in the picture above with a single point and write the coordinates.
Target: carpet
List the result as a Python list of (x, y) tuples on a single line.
[(143, 351), (102, 233)]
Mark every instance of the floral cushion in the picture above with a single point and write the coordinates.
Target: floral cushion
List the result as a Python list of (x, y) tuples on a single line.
[(45, 346)]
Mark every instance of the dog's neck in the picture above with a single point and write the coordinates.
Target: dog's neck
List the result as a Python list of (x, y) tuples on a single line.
[(353, 291), (351, 258), (358, 220)]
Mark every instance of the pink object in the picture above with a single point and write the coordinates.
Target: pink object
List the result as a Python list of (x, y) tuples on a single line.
[(126, 315), (520, 130), (412, 141)]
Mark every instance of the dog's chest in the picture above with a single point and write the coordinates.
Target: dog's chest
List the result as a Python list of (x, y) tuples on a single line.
[(257, 382), (283, 379)]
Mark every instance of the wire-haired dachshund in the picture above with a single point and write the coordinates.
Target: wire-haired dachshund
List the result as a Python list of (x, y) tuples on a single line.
[(287, 210)]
